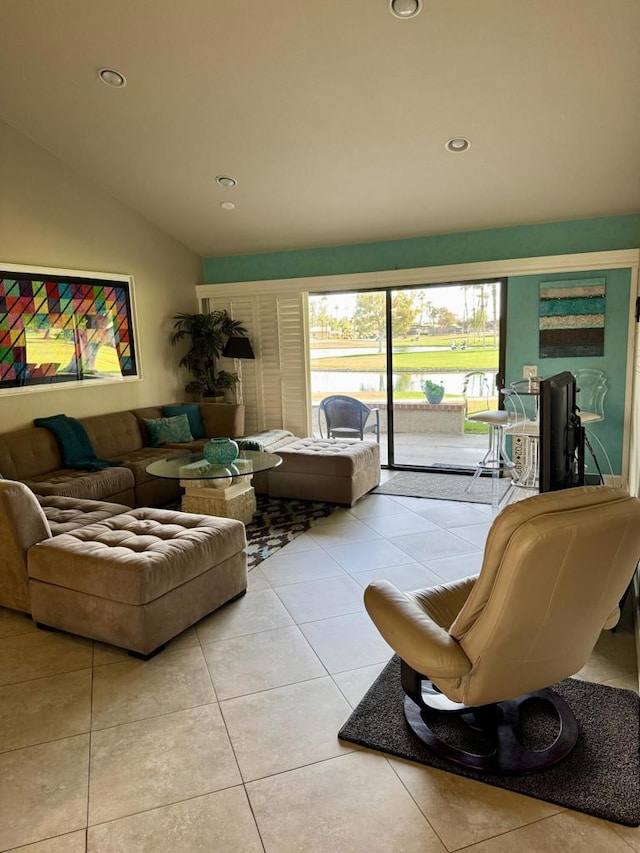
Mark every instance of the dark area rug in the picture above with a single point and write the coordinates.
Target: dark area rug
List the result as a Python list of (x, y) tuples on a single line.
[(444, 487), (278, 521), (600, 777)]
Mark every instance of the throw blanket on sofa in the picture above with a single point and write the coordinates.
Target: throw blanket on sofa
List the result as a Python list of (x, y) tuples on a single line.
[(262, 439), (75, 445)]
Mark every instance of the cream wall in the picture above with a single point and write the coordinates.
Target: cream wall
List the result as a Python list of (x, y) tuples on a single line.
[(52, 217)]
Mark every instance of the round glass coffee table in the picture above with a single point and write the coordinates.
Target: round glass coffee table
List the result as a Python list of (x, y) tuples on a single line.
[(223, 490)]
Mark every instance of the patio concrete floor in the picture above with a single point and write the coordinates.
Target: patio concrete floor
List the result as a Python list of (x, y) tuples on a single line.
[(440, 450)]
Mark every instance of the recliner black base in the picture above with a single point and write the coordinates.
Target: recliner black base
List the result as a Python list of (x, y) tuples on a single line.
[(496, 725)]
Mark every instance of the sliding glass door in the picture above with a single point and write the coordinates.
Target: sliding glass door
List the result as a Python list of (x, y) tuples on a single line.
[(348, 356), (439, 335), (405, 352)]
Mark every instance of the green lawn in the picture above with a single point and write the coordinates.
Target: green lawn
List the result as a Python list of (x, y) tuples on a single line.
[(446, 359)]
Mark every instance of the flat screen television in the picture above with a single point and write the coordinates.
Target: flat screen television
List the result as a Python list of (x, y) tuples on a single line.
[(561, 434)]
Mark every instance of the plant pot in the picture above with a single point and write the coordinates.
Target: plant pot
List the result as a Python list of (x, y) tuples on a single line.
[(220, 451), (434, 395)]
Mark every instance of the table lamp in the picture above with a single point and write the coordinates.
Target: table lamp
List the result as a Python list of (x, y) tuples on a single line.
[(238, 348)]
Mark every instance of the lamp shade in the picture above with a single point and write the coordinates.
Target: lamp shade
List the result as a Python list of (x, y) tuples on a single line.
[(237, 347)]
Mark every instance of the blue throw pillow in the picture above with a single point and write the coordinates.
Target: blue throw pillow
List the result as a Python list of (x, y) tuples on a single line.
[(192, 411), (168, 430)]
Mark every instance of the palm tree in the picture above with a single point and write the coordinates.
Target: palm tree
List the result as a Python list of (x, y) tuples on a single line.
[(208, 333)]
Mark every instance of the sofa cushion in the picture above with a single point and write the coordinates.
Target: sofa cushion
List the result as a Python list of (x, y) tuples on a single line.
[(113, 435), (29, 452), (96, 485), (136, 557), (137, 462), (164, 431), (192, 411), (74, 443), (218, 419), (7, 465), (67, 514), (222, 420)]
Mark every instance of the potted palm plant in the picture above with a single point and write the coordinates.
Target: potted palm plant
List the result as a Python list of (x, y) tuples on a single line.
[(207, 334)]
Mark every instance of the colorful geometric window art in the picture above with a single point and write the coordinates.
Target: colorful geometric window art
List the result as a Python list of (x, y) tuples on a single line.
[(571, 318), (56, 329)]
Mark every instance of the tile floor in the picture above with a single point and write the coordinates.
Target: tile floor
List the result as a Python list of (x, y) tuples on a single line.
[(226, 741)]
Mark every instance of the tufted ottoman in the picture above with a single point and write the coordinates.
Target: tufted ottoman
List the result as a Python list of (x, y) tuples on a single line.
[(67, 514), (137, 579), (333, 470)]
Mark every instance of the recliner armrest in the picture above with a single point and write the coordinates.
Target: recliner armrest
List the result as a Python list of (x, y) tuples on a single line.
[(419, 641)]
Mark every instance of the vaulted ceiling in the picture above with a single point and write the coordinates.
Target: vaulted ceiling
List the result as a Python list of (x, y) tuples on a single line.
[(332, 114)]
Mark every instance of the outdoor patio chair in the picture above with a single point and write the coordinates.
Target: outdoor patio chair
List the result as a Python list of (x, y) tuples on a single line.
[(346, 417)]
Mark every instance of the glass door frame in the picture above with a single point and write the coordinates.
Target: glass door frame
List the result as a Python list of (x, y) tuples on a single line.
[(500, 375)]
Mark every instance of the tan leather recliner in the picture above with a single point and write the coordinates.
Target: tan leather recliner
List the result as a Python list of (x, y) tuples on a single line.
[(555, 567)]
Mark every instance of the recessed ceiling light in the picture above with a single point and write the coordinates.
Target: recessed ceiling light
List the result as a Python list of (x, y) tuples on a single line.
[(112, 77), (226, 181), (405, 8), (458, 144), (227, 205)]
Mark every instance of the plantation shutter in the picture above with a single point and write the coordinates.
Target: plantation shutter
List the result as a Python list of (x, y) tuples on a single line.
[(274, 386)]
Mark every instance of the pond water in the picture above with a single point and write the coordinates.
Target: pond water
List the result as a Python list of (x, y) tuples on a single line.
[(332, 381)]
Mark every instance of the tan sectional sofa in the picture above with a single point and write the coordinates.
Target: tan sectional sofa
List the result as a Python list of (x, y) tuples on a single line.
[(32, 456), (75, 555), (333, 470)]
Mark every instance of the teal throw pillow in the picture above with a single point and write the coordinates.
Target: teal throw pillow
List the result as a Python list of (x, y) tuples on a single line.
[(192, 411), (168, 430)]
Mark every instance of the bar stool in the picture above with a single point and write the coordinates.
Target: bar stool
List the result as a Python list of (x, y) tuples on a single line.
[(592, 388), (476, 391), (521, 404)]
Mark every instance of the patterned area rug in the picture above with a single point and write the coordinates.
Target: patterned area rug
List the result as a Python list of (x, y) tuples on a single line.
[(277, 522)]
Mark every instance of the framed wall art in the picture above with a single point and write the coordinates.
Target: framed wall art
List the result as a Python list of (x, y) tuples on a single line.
[(65, 327), (571, 318)]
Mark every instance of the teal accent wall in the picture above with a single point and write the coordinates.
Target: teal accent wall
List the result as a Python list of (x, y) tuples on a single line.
[(553, 238), (522, 347)]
